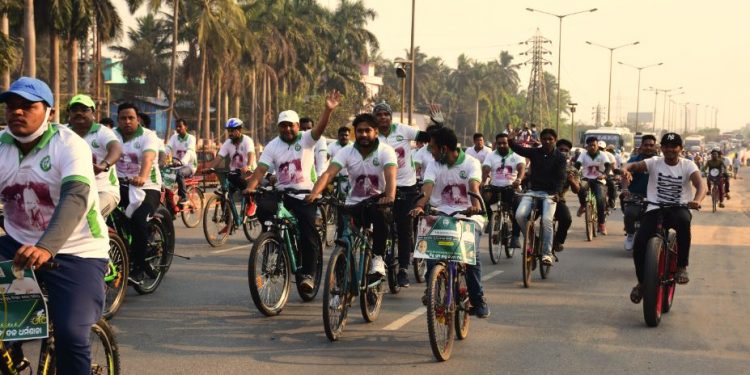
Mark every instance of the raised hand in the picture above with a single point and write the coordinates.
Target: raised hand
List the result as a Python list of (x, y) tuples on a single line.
[(436, 115), (333, 99)]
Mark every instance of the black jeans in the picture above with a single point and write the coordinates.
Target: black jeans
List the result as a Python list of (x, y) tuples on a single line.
[(379, 218), (631, 212), (564, 220), (308, 237), (677, 218), (508, 197), (180, 175), (138, 227), (596, 188), (404, 222)]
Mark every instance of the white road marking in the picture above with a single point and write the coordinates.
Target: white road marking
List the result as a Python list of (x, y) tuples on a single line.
[(230, 249), (404, 320)]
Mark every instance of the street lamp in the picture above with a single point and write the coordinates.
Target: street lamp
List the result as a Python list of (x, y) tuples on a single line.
[(638, 95), (559, 53), (656, 97), (401, 73), (670, 96), (572, 120), (411, 54), (611, 53)]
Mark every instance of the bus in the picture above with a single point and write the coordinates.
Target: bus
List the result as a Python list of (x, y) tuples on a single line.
[(621, 138), (695, 143)]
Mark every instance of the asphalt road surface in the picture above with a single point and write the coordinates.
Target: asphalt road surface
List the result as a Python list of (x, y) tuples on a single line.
[(579, 321)]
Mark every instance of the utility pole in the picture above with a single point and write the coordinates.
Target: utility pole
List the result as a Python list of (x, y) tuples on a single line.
[(573, 122), (413, 65), (536, 95)]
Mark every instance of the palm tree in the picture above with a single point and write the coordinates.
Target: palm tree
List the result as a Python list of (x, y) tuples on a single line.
[(54, 17), (8, 47), (108, 28), (76, 30), (146, 58), (29, 39)]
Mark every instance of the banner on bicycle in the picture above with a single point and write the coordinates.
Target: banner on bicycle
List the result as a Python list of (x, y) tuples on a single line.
[(23, 305), (447, 238)]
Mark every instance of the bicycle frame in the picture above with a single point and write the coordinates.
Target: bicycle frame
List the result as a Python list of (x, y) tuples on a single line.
[(348, 239)]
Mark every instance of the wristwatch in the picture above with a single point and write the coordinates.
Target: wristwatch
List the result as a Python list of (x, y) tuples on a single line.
[(108, 165)]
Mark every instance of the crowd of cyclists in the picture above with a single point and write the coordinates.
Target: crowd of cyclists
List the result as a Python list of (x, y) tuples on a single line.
[(71, 177)]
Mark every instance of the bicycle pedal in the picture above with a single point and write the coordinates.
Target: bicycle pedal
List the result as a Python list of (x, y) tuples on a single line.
[(23, 364)]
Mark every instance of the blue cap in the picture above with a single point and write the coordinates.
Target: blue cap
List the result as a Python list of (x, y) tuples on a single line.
[(31, 89)]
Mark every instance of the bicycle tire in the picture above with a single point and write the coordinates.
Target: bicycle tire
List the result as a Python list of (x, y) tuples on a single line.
[(331, 229), (216, 215), (652, 288), (370, 297), (159, 250), (110, 354), (528, 252), (671, 287), (714, 197), (192, 215), (492, 222), (336, 294), (321, 223), (420, 269), (274, 270), (506, 233), (391, 265), (594, 218), (317, 275), (462, 319), (116, 288), (587, 220), (440, 326), (252, 228)]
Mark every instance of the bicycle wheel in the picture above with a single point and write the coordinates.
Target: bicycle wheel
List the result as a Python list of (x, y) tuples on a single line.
[(116, 279), (440, 326), (506, 235), (528, 252), (316, 275), (461, 293), (594, 218), (493, 223), (588, 216), (391, 266), (217, 219), (269, 274), (420, 269), (321, 223), (714, 197), (331, 228), (670, 288), (105, 355), (371, 295), (336, 294), (252, 228), (653, 292), (159, 250), (192, 212)]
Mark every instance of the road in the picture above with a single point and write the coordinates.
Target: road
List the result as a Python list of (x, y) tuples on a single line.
[(579, 321)]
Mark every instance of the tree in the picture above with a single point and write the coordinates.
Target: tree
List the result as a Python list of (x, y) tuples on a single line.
[(29, 39), (146, 58), (108, 28)]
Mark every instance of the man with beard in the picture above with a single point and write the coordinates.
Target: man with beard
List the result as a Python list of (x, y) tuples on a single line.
[(182, 147), (506, 170), (367, 157), (292, 148), (633, 192), (104, 146)]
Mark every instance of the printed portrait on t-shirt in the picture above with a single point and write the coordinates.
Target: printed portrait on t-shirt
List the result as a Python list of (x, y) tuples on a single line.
[(454, 195), (179, 154), (128, 163), (290, 172), (238, 161), (503, 173), (28, 205), (365, 186), (400, 153)]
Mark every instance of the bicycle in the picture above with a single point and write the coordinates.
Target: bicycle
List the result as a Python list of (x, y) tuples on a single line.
[(192, 211), (716, 182), (532, 241), (345, 275), (448, 305), (500, 224), (329, 212), (659, 268), (221, 217), (274, 258), (591, 216), (105, 355)]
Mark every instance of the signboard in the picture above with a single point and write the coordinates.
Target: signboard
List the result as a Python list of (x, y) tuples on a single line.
[(23, 306), (446, 238)]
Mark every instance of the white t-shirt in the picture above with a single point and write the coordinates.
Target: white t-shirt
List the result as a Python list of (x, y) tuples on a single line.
[(612, 159), (130, 161), (400, 139), (293, 162), (237, 154), (451, 184), (30, 190), (669, 184), (184, 150), (366, 176), (503, 169), (593, 167), (480, 155), (333, 149), (98, 138), (423, 157), (321, 156)]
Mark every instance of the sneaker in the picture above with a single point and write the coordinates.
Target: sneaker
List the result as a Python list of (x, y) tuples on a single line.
[(307, 284), (514, 243), (629, 239), (251, 208), (727, 196), (721, 204), (377, 266), (603, 229), (547, 260), (581, 210), (559, 247), (481, 311), (403, 278)]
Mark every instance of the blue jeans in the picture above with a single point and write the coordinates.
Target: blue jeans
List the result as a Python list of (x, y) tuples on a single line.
[(473, 273), (76, 298), (548, 216), (596, 188)]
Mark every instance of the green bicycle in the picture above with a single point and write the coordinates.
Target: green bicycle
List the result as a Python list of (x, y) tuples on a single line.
[(221, 216)]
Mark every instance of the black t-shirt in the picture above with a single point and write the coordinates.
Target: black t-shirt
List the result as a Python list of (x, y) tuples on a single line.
[(548, 168)]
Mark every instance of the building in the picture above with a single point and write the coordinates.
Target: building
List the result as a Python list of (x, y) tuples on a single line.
[(372, 82)]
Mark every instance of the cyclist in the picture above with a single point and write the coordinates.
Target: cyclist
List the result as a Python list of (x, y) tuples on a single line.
[(141, 196), (562, 212), (423, 156), (595, 166), (291, 156), (372, 171), (608, 151), (636, 189), (728, 167), (321, 147), (399, 136), (716, 172), (479, 151), (505, 169), (51, 165), (341, 143), (549, 166), (182, 147), (669, 180), (450, 176), (237, 153), (105, 147)]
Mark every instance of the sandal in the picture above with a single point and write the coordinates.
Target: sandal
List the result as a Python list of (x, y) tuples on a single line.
[(681, 277), (636, 295)]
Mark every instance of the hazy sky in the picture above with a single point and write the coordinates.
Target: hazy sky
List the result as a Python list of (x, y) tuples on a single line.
[(704, 46)]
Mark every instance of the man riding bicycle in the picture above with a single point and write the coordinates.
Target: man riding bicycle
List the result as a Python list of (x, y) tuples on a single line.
[(53, 164), (669, 180), (716, 173), (450, 177), (105, 147), (562, 212), (371, 165), (635, 189), (291, 155), (182, 147), (505, 169), (596, 167)]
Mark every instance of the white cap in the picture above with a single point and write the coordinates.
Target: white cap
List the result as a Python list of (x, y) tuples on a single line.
[(288, 116), (602, 144)]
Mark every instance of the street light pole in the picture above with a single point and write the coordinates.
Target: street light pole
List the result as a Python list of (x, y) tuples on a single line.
[(611, 54), (638, 95), (413, 65), (559, 54)]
